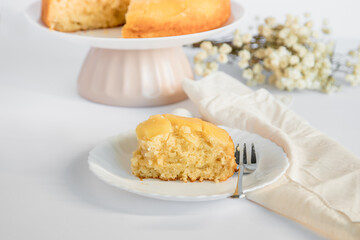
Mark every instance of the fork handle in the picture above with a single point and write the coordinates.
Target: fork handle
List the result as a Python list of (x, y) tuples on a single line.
[(240, 181)]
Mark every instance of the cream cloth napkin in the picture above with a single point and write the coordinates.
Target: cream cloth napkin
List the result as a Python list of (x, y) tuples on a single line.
[(321, 188)]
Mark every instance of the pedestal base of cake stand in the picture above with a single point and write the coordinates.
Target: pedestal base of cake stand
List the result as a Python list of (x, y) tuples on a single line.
[(134, 78)]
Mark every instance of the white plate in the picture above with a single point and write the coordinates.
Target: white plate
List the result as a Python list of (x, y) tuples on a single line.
[(110, 161), (111, 38)]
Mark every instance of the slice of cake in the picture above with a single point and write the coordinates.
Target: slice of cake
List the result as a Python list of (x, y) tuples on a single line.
[(162, 18), (173, 147), (74, 15), (145, 18)]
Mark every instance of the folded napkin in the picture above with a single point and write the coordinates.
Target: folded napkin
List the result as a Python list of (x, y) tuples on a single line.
[(321, 188)]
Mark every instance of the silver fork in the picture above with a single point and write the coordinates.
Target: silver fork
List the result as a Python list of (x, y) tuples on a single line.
[(244, 168)]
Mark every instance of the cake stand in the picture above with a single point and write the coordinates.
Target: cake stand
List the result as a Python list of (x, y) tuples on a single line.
[(133, 72)]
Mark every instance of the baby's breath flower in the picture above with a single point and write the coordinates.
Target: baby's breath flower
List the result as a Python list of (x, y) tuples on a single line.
[(294, 60), (271, 21), (292, 52), (309, 24), (248, 74), (206, 45), (237, 42), (326, 30), (214, 50), (246, 38), (200, 56), (293, 74), (244, 55), (300, 84), (352, 53), (222, 58), (260, 78), (315, 34), (243, 64), (283, 33), (308, 60), (265, 30), (237, 32), (307, 15), (283, 62), (213, 66), (291, 40), (225, 49), (199, 69), (257, 68)]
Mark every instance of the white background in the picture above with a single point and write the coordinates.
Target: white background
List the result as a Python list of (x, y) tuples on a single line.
[(46, 131)]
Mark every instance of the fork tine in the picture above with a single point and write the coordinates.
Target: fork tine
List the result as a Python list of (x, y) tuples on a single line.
[(237, 154), (253, 154), (244, 154)]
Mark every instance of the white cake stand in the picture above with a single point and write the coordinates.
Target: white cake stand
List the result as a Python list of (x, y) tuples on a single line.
[(133, 72)]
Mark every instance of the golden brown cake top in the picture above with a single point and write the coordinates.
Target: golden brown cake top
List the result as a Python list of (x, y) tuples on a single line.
[(163, 124)]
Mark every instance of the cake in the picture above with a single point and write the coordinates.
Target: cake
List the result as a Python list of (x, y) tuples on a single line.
[(144, 18), (171, 147), (161, 18), (74, 15)]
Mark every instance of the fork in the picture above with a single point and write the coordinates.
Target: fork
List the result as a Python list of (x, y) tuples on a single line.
[(244, 168)]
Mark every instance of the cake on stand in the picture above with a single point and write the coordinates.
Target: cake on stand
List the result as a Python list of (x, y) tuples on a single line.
[(133, 72)]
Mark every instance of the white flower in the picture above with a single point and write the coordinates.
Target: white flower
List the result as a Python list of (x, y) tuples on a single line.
[(293, 73), (294, 60), (291, 40), (350, 77), (283, 62), (260, 78), (315, 34), (301, 84), (244, 55), (206, 45), (303, 31), (248, 74), (214, 50), (271, 21), (265, 30), (283, 33), (279, 84), (200, 56), (320, 46), (213, 66), (225, 49), (326, 30), (237, 33), (199, 69), (326, 63), (257, 68), (243, 64), (246, 38), (222, 58), (309, 60), (309, 24), (237, 41)]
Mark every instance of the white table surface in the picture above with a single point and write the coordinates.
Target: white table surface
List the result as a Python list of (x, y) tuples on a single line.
[(47, 130)]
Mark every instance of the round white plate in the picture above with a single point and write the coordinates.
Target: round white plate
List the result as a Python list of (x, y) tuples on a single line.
[(111, 37), (110, 161)]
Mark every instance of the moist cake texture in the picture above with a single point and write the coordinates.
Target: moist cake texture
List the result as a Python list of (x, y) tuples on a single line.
[(179, 148), (143, 18)]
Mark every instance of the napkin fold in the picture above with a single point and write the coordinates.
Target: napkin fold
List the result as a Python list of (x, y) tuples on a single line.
[(321, 188)]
